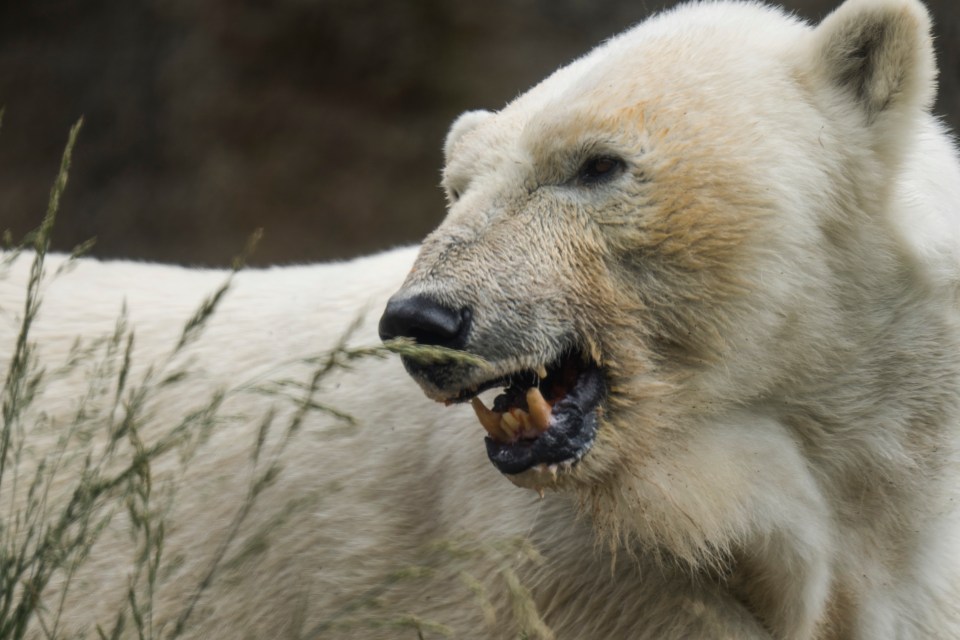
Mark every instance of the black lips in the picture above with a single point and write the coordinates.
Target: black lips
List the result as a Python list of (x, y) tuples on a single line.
[(571, 433)]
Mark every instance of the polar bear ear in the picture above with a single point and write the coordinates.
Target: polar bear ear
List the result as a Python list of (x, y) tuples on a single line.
[(466, 122), (878, 53)]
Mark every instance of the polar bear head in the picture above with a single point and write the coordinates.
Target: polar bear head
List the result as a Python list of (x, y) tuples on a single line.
[(670, 226)]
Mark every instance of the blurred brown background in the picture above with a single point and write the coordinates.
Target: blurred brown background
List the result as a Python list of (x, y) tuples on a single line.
[(319, 120)]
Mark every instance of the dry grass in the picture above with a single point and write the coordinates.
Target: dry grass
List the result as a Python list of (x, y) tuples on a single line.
[(102, 464)]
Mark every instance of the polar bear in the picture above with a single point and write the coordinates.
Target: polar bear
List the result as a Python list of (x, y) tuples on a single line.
[(714, 265)]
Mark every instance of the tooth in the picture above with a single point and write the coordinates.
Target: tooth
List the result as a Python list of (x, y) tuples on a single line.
[(539, 409), (489, 419), (522, 416), (553, 472), (540, 492), (510, 424), (542, 372), (595, 352)]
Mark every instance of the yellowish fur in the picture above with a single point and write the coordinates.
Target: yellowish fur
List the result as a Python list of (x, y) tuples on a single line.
[(770, 286)]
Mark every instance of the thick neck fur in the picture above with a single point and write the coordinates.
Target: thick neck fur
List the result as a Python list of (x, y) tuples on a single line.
[(807, 497)]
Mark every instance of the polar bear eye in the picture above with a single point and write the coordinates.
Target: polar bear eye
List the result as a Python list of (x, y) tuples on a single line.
[(599, 169)]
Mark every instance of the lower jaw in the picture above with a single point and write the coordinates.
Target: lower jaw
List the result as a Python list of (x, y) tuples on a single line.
[(569, 438), (540, 475)]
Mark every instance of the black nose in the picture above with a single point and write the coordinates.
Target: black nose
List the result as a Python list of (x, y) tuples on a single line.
[(425, 320)]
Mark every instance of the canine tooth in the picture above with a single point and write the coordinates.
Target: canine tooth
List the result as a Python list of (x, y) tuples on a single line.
[(509, 423), (489, 419), (539, 491), (542, 372), (553, 471), (595, 352), (539, 409)]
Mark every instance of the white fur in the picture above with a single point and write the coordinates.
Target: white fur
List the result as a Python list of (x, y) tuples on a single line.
[(802, 485)]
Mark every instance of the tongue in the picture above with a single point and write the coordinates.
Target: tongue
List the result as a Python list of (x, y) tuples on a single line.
[(515, 423)]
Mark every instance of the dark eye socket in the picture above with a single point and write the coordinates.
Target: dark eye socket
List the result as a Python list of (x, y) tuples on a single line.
[(598, 169)]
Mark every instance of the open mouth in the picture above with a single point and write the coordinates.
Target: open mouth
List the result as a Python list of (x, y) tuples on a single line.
[(545, 416)]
